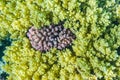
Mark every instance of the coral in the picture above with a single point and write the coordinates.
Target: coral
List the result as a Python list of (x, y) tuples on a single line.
[(53, 36), (93, 55)]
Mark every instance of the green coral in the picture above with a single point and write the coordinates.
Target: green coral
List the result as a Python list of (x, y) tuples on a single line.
[(93, 55)]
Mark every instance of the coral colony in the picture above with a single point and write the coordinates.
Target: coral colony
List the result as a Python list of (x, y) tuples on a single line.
[(94, 53), (53, 36)]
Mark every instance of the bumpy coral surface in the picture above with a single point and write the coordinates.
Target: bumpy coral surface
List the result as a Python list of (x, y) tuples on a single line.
[(48, 37), (94, 55)]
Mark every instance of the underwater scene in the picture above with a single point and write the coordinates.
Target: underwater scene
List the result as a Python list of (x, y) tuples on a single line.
[(59, 39)]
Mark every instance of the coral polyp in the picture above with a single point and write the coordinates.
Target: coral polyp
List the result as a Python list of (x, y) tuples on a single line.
[(48, 37)]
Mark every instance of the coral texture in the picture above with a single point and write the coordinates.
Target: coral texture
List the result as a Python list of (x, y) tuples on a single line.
[(48, 37), (94, 54)]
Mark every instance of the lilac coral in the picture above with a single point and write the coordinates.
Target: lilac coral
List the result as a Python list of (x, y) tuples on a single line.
[(48, 37)]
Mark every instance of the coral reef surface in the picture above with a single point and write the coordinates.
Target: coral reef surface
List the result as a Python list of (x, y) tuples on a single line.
[(94, 55)]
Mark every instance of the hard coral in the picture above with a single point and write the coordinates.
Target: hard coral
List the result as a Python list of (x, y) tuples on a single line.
[(94, 55), (47, 37)]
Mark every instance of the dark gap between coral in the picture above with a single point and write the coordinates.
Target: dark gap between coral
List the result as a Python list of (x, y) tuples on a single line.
[(3, 76), (116, 22), (92, 72), (118, 50), (83, 7), (4, 43), (101, 3)]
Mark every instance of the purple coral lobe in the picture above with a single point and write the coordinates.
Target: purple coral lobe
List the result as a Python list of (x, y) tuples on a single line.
[(48, 37)]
